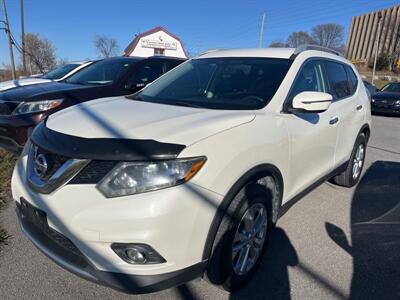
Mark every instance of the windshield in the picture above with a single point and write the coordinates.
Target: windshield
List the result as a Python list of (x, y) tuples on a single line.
[(60, 72), (219, 83), (103, 72), (392, 87)]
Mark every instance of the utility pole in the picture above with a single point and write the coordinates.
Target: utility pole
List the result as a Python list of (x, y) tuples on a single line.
[(260, 41), (377, 45), (7, 28), (23, 37)]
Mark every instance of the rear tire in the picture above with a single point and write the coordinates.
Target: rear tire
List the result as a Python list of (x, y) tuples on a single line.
[(224, 268), (352, 174)]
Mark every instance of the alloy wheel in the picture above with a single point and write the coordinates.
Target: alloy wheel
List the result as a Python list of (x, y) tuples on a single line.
[(249, 238), (358, 161)]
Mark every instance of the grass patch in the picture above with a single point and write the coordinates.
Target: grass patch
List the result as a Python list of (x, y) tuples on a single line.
[(7, 162)]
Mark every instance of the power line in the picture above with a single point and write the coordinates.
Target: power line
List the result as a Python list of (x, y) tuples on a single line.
[(23, 37), (21, 51)]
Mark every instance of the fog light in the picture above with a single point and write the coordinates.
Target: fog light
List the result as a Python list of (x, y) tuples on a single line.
[(137, 253)]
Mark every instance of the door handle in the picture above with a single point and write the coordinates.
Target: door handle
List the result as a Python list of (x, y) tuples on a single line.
[(359, 107), (333, 121)]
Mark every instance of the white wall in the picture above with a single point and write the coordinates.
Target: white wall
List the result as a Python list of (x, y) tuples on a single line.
[(145, 52)]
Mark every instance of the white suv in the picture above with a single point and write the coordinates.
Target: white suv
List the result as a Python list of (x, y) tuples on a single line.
[(187, 177)]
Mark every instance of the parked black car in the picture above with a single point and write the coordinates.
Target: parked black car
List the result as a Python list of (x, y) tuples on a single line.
[(387, 100), (22, 108), (372, 89)]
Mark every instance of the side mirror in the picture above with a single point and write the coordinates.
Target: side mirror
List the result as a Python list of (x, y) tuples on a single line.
[(312, 102)]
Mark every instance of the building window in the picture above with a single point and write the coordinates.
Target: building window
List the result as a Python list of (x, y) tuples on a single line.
[(159, 52)]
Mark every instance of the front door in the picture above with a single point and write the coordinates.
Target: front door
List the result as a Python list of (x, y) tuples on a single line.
[(313, 136)]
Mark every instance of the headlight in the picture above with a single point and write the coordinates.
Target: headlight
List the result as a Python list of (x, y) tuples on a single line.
[(129, 178), (373, 100), (36, 106), (397, 102)]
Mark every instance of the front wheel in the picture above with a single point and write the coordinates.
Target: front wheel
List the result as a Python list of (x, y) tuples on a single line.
[(241, 238), (352, 174)]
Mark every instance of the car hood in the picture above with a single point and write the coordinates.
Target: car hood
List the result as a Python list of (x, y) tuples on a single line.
[(45, 91), (6, 85), (386, 96), (119, 117)]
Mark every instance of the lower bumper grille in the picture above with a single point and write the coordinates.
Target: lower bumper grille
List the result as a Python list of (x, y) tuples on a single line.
[(34, 222)]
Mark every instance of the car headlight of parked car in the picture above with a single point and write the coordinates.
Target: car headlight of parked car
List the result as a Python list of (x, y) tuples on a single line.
[(397, 102), (128, 178), (36, 106)]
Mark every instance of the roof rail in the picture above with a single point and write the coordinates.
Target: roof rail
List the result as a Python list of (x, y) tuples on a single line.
[(303, 48), (210, 51)]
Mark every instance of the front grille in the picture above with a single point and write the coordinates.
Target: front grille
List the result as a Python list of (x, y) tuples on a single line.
[(94, 172), (91, 174), (48, 237), (7, 108), (54, 162)]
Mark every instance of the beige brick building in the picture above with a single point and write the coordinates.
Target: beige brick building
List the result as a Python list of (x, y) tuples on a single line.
[(365, 29)]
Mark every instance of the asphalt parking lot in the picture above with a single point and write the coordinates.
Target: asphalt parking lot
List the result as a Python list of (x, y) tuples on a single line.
[(335, 243)]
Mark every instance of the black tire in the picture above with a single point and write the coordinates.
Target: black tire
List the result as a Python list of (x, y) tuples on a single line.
[(346, 178), (220, 269)]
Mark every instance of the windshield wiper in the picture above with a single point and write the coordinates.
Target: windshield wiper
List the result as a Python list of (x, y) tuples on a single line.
[(187, 104)]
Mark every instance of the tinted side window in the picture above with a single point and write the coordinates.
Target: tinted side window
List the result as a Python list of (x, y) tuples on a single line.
[(353, 82), (339, 86), (171, 64), (144, 75), (311, 78), (103, 72)]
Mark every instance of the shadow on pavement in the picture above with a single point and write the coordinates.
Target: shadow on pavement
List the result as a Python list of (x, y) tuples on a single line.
[(272, 278), (375, 233)]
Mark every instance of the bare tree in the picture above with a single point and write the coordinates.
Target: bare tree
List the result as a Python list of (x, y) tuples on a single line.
[(329, 35), (277, 44), (299, 38), (40, 53), (62, 62), (106, 46)]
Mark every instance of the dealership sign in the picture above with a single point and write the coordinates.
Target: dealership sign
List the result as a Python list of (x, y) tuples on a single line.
[(159, 44)]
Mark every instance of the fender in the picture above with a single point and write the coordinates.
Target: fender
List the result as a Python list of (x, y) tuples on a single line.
[(253, 174), (365, 128)]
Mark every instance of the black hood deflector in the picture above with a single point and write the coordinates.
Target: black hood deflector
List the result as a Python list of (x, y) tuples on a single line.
[(117, 149)]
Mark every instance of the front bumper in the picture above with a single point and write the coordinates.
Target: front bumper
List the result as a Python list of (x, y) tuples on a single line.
[(77, 264), (174, 221), (10, 145), (14, 130), (386, 110)]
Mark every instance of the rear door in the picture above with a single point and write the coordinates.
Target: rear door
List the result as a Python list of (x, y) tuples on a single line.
[(344, 86), (144, 74), (170, 64), (312, 135), (147, 72)]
